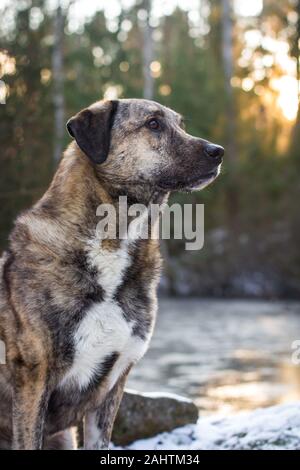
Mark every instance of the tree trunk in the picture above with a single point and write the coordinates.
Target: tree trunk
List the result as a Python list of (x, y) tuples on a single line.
[(148, 54), (227, 55), (58, 83), (231, 151), (295, 138)]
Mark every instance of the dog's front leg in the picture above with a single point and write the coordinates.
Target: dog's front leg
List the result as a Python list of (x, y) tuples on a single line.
[(30, 401), (98, 424)]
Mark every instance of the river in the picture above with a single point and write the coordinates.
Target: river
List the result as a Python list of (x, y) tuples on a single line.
[(227, 355)]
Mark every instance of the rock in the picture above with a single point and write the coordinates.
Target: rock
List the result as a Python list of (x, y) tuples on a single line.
[(143, 415), (274, 428)]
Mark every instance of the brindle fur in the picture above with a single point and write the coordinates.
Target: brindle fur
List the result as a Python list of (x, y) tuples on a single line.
[(47, 283)]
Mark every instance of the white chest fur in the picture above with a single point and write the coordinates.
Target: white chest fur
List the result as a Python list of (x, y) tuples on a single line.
[(104, 329)]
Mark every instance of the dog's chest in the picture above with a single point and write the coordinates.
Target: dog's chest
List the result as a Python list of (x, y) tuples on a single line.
[(105, 338)]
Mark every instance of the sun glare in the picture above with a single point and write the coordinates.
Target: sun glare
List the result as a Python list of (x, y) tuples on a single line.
[(277, 54), (248, 8), (287, 88)]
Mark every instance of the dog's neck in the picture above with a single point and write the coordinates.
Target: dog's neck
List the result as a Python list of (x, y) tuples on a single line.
[(142, 193), (78, 189)]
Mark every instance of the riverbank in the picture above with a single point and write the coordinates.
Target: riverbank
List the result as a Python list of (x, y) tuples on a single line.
[(273, 428)]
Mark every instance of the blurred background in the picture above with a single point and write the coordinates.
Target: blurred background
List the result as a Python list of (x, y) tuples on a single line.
[(232, 68)]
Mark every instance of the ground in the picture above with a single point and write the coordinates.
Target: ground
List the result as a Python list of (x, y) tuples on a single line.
[(274, 428)]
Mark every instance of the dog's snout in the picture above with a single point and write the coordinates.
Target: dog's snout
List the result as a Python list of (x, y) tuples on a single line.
[(214, 151)]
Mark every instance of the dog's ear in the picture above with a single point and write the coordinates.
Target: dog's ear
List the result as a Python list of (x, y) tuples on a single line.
[(91, 129)]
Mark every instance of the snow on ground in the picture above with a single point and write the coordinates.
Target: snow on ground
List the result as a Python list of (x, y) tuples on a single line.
[(277, 427)]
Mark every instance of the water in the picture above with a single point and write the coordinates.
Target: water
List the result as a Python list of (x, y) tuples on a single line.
[(226, 355)]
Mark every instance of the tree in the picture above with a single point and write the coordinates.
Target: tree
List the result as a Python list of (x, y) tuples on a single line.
[(148, 52), (230, 123), (228, 67), (26, 118), (295, 139), (58, 82)]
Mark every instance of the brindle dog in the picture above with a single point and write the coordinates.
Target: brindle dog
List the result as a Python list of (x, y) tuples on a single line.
[(77, 310)]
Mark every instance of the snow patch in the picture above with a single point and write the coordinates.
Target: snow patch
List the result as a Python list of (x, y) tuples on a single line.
[(274, 428)]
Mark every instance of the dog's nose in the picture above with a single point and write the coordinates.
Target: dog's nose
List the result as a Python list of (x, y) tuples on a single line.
[(214, 151)]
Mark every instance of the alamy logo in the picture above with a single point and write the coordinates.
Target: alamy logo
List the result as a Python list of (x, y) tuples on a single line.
[(3, 92), (137, 221), (2, 352), (296, 353)]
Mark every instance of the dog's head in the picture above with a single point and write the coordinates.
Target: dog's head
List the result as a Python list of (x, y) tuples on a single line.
[(136, 142)]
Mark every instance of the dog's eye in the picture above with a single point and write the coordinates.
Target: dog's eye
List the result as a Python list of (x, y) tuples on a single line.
[(154, 124)]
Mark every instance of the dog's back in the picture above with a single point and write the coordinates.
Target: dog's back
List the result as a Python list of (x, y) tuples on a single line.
[(5, 376)]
